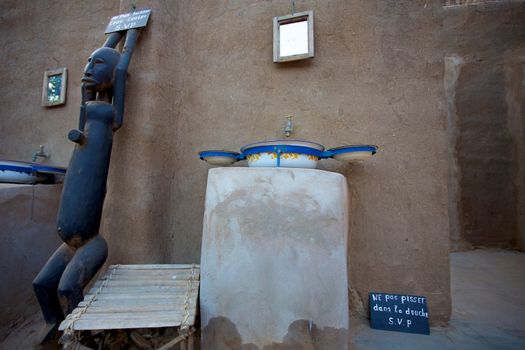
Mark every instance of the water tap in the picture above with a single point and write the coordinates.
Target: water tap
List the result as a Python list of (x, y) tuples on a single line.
[(40, 153), (288, 128)]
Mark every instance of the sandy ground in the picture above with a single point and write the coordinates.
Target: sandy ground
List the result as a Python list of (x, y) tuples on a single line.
[(488, 308), (24, 335), (488, 311)]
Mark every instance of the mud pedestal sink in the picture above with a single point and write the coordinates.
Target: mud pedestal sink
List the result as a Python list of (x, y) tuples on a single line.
[(274, 259), (274, 249)]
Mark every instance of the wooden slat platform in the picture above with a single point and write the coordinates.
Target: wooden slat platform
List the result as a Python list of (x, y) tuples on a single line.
[(139, 296)]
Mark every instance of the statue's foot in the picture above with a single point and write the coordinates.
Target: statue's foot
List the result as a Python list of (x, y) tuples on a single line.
[(48, 335)]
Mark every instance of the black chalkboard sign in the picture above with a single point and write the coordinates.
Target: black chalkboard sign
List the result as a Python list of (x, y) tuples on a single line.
[(125, 21), (399, 312)]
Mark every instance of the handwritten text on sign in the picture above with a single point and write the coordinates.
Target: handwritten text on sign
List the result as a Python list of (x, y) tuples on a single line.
[(399, 312), (125, 21)]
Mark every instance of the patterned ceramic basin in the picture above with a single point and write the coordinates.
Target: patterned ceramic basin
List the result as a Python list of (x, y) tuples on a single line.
[(283, 153)]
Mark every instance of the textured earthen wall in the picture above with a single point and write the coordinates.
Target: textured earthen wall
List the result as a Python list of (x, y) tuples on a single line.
[(39, 36), (485, 107), (203, 78)]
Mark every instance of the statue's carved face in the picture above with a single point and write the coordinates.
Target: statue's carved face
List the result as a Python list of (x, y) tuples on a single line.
[(100, 69)]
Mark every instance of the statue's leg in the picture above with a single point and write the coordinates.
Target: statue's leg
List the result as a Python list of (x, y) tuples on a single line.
[(87, 261), (45, 285)]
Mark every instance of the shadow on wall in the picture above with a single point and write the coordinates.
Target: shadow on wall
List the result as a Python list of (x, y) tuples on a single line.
[(483, 191), (484, 95)]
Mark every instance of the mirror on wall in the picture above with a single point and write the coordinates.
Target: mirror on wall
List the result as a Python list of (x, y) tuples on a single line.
[(293, 37), (54, 88)]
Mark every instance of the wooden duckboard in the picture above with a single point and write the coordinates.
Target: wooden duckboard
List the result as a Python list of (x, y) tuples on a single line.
[(139, 296)]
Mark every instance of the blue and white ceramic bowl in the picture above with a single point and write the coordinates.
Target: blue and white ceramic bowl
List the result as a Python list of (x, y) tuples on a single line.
[(283, 153), (221, 158), (352, 152), (28, 173)]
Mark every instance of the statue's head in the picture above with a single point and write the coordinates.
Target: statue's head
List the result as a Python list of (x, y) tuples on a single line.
[(100, 70)]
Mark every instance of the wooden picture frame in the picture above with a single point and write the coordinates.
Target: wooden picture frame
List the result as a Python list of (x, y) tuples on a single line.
[(54, 87), (305, 48)]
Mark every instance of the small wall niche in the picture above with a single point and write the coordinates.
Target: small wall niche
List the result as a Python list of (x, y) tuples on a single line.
[(293, 37), (54, 88)]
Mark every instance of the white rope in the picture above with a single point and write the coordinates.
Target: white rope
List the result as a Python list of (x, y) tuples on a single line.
[(184, 325)]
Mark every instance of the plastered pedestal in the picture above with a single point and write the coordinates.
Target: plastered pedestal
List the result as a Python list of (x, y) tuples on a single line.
[(274, 260)]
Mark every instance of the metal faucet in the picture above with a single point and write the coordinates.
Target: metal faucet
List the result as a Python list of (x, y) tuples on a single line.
[(40, 153), (288, 128)]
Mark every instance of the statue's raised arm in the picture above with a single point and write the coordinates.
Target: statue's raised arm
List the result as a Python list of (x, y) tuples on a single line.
[(121, 73)]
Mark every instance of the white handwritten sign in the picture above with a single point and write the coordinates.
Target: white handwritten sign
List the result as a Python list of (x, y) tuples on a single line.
[(125, 21), (399, 312)]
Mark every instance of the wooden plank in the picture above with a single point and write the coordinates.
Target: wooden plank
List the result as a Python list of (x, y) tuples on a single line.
[(150, 299), (118, 324), (178, 314), (135, 290), (156, 267), (140, 294), (156, 315), (81, 313), (141, 302), (147, 280), (169, 275), (138, 283), (160, 294), (116, 280), (166, 276), (121, 323), (130, 288), (141, 290), (160, 271), (167, 301), (166, 273), (188, 284), (136, 308), (95, 324), (151, 275), (146, 306), (144, 281), (157, 278)]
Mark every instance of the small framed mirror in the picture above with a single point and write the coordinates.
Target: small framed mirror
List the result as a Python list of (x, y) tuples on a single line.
[(293, 37), (54, 88)]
